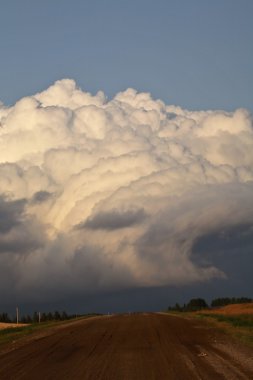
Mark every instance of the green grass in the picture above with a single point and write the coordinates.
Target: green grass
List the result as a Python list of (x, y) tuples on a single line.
[(243, 320), (14, 333)]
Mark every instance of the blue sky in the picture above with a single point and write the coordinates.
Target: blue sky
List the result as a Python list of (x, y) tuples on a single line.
[(194, 53)]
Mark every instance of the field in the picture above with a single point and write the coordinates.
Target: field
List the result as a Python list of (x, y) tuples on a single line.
[(10, 325), (236, 309)]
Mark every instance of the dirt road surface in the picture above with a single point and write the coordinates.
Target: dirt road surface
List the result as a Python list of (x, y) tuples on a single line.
[(128, 347)]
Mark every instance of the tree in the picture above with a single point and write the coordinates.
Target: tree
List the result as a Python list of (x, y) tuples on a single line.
[(196, 304), (4, 317), (50, 316), (57, 315), (64, 315), (35, 317)]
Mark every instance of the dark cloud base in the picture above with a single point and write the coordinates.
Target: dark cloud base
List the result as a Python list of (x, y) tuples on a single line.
[(114, 220), (141, 299)]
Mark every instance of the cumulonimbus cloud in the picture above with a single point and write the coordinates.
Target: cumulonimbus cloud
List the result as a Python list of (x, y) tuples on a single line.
[(98, 194)]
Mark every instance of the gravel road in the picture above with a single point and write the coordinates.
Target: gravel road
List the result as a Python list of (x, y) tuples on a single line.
[(135, 346)]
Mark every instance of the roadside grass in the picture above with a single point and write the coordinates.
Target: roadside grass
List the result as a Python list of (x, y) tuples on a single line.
[(243, 320), (238, 325), (12, 334)]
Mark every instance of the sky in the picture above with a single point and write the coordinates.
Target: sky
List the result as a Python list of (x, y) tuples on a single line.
[(196, 54), (126, 153)]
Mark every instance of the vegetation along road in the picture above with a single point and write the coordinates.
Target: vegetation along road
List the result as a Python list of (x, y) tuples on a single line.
[(135, 346)]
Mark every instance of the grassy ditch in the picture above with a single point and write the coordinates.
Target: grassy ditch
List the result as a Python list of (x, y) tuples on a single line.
[(12, 334), (240, 326)]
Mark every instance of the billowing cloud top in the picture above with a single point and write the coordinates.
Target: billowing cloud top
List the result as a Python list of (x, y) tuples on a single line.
[(98, 194)]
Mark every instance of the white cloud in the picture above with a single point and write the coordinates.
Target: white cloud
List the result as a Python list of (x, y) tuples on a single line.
[(161, 176)]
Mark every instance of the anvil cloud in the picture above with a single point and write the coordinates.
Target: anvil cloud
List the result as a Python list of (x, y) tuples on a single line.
[(98, 194)]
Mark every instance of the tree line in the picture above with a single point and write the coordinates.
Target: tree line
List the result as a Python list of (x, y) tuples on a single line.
[(38, 317), (229, 301), (199, 303)]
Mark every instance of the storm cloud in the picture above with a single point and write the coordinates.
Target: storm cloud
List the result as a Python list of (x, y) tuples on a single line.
[(10, 214), (114, 220), (101, 194)]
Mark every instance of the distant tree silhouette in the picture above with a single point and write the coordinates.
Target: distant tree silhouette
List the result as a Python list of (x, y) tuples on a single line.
[(57, 316), (196, 304), (193, 305), (44, 317), (218, 302), (4, 317), (64, 315)]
